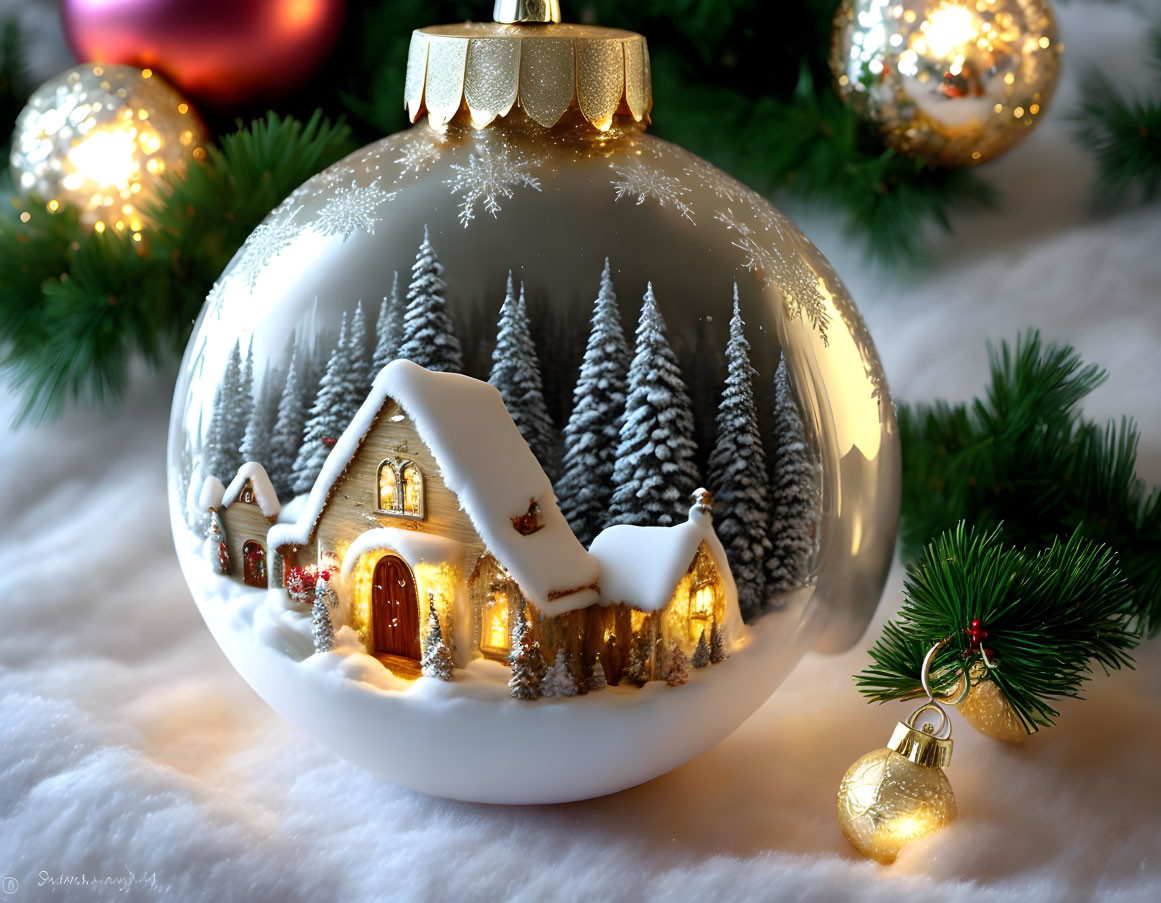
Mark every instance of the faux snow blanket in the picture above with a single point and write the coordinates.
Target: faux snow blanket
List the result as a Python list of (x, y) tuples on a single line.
[(136, 765)]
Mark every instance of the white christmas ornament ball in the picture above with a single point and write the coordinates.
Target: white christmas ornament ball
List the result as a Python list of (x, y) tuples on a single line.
[(476, 374)]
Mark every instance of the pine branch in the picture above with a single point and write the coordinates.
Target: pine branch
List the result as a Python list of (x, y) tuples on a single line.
[(75, 305), (1050, 618), (1023, 457), (1124, 134), (14, 80)]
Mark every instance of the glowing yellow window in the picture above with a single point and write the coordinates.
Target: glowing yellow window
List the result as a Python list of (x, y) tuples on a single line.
[(412, 488), (494, 626), (386, 486)]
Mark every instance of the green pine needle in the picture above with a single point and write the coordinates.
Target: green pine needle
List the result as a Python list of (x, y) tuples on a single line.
[(1124, 134), (75, 305), (1050, 617), (1024, 457)]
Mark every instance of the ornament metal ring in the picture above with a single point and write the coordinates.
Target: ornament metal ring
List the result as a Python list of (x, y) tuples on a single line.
[(944, 721), (925, 680)]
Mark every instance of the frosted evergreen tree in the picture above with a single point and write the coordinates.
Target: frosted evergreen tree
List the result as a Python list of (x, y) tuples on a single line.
[(701, 655), (437, 658), (329, 415), (558, 679), (655, 471), (516, 374), (738, 476), (257, 443), (639, 660), (597, 679), (593, 431), (321, 628), (221, 456), (360, 362), (428, 336), (794, 493), (717, 644), (519, 634), (388, 329), (677, 667), (289, 425), (528, 671)]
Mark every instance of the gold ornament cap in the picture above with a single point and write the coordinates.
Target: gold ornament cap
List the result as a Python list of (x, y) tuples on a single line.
[(921, 747), (527, 58)]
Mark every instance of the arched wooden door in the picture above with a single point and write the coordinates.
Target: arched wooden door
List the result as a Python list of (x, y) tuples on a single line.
[(253, 564), (394, 609)]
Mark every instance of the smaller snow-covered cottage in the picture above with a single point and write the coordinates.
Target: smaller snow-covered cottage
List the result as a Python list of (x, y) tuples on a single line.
[(248, 507)]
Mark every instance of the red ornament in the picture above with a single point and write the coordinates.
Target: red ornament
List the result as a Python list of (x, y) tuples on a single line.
[(976, 634), (324, 575), (223, 53)]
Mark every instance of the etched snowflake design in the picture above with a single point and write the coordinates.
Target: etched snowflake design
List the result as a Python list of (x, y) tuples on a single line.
[(788, 273), (265, 243), (709, 176), (637, 179), (493, 173), (352, 208), (418, 157)]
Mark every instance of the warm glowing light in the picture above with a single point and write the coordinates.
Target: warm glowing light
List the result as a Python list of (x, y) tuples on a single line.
[(145, 73), (25, 216), (386, 487), (105, 157), (949, 28), (494, 630), (701, 604), (53, 205), (412, 486)]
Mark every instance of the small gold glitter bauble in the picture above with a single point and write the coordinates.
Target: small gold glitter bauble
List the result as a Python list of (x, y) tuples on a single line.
[(894, 795), (988, 710), (101, 139), (956, 82)]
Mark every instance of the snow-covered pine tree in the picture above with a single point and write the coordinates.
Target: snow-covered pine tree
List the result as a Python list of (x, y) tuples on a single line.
[(388, 329), (558, 679), (360, 362), (655, 471), (220, 455), (597, 679), (289, 424), (321, 628), (717, 644), (437, 658), (738, 476), (241, 410), (593, 430), (329, 415), (639, 660), (428, 336), (701, 655), (794, 494), (580, 679), (257, 443), (677, 666), (516, 375), (216, 550)]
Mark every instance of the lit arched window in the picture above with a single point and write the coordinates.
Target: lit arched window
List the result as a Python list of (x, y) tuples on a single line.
[(412, 489), (400, 488), (387, 481)]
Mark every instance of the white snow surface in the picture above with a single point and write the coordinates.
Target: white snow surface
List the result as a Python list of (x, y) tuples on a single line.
[(264, 492), (414, 546), (486, 462), (128, 742), (640, 566), (211, 494)]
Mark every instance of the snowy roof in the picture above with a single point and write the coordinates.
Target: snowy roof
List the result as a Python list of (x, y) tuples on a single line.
[(211, 495), (413, 546), (264, 494), (487, 464), (641, 566)]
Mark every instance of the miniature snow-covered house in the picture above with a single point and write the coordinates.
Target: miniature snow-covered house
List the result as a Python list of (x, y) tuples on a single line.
[(248, 506), (432, 498)]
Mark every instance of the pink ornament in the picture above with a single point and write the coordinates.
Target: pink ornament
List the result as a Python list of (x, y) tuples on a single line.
[(224, 53)]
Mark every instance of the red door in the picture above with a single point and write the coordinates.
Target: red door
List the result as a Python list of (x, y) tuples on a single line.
[(253, 564), (395, 609)]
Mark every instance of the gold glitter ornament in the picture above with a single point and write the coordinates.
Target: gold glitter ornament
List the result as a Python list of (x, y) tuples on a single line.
[(956, 82), (988, 710), (101, 138), (894, 795)]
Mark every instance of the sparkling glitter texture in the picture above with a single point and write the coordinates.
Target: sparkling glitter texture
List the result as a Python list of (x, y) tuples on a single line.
[(957, 82), (885, 801), (101, 138), (987, 710)]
